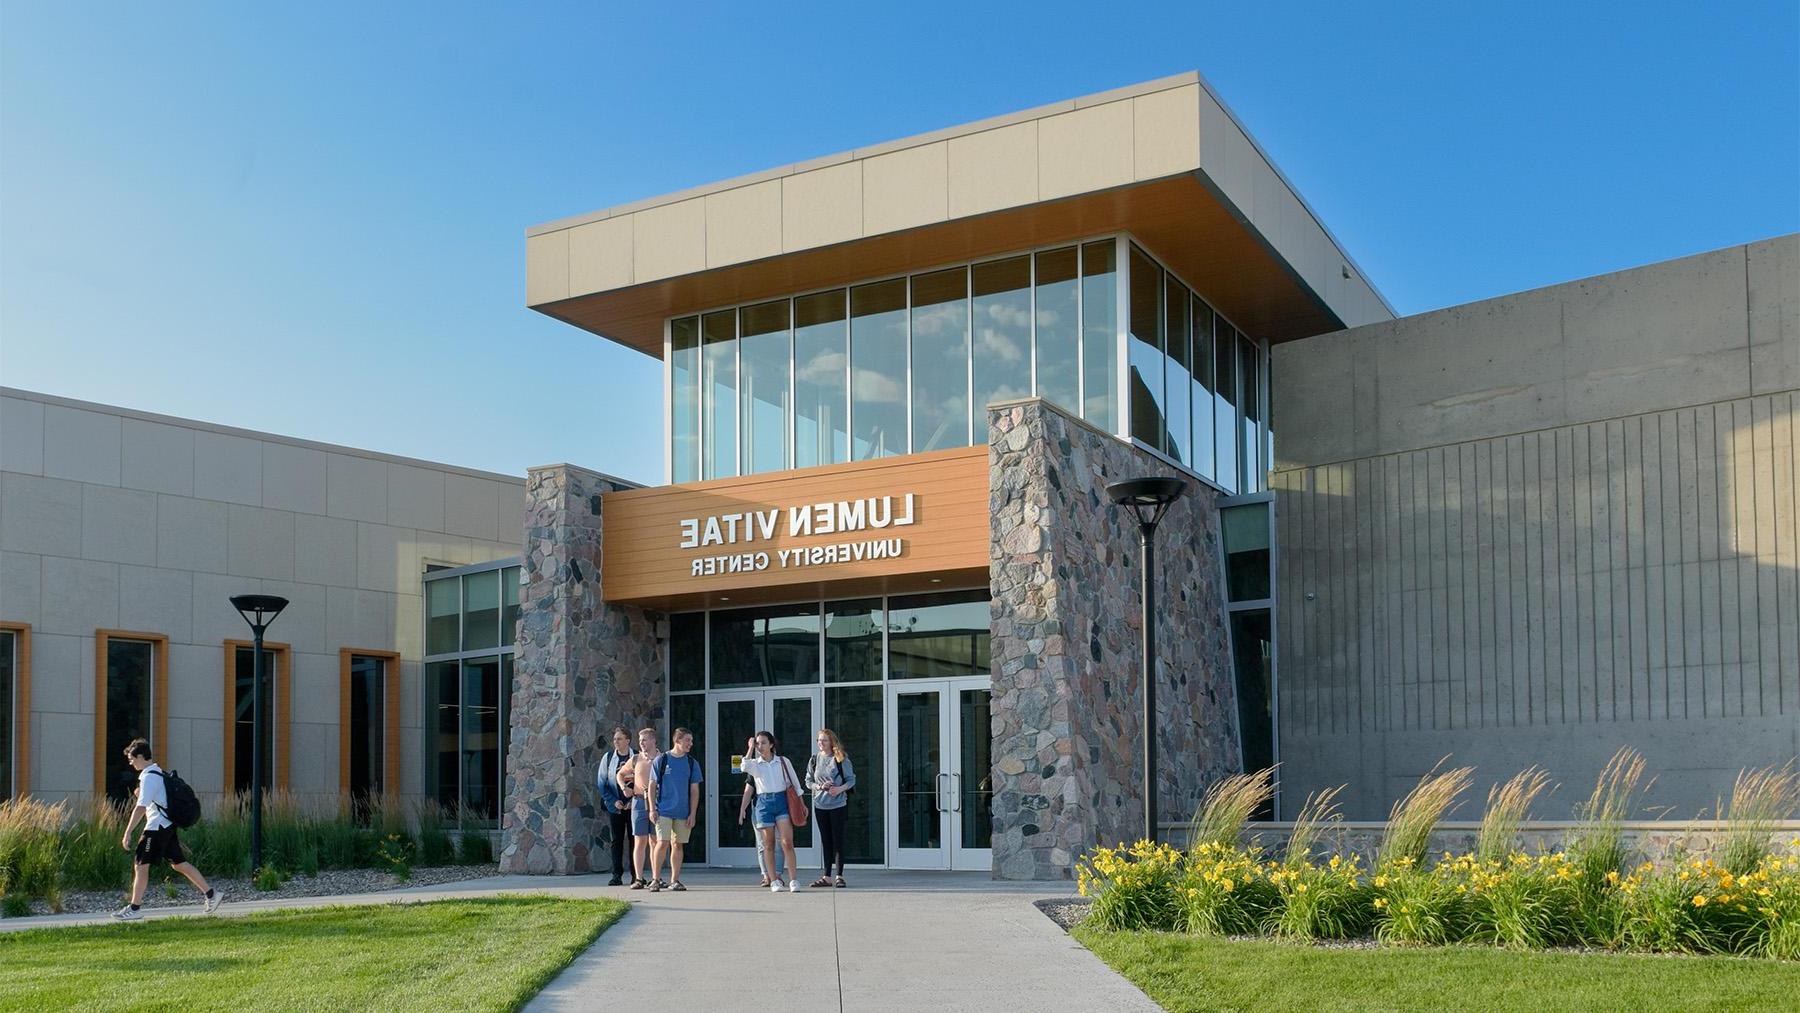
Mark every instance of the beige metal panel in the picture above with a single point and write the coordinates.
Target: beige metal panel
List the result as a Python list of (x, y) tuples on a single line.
[(1166, 132), (821, 207), (1774, 278), (600, 255), (994, 169), (1226, 154), (546, 268), (669, 240), (743, 224), (1086, 150), (907, 188)]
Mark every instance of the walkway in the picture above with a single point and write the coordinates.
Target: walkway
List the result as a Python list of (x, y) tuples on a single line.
[(893, 941)]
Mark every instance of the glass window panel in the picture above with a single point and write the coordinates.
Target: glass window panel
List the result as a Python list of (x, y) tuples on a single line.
[(821, 380), (1246, 551), (443, 606), (1100, 335), (718, 415), (1225, 424), (1057, 329), (244, 748), (367, 731), (130, 668), (774, 645), (444, 688), (1147, 418), (940, 360), (1000, 293), (853, 640), (1252, 415), (938, 636), (506, 688), (878, 369), (920, 762), (736, 723), (1179, 379), (687, 651), (509, 605), (1201, 362), (690, 712), (793, 723), (481, 737), (684, 398), (8, 688), (854, 713), (1253, 656), (481, 610), (764, 350), (975, 784)]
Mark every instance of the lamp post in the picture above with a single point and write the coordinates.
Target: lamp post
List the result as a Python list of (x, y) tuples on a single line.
[(1148, 499), (259, 610)]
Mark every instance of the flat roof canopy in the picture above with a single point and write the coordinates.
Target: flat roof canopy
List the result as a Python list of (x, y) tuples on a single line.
[(1163, 161)]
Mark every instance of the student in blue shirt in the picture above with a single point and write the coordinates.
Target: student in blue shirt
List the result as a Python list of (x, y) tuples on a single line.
[(674, 801)]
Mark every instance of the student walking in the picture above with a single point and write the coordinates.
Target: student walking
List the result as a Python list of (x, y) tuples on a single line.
[(761, 850), (613, 799), (773, 775), (674, 802), (829, 776), (159, 842), (634, 780)]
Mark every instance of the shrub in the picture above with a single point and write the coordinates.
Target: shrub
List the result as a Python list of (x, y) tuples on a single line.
[(30, 850), (1413, 819), (1327, 901), (1415, 905), (15, 905), (435, 846), (91, 856), (1516, 900), (267, 878), (1597, 847), (396, 852), (1509, 805), (1775, 887), (1224, 891), (1318, 815), (1228, 805), (1132, 887), (1760, 800), (473, 847)]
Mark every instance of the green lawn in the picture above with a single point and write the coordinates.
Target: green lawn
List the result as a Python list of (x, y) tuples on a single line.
[(487, 954), (1188, 973)]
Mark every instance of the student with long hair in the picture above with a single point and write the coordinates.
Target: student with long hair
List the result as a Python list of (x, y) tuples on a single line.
[(829, 776), (615, 799), (773, 775)]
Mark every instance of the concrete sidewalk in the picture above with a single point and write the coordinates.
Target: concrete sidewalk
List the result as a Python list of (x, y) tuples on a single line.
[(893, 941)]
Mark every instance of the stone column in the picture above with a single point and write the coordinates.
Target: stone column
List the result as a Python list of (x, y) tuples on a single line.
[(1065, 620), (581, 667)]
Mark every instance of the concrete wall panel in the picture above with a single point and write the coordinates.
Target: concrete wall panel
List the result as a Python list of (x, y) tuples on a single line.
[(81, 445), (157, 457), (821, 207), (415, 497), (905, 189), (1773, 276), (669, 240), (118, 525), (157, 601), (228, 468), (1166, 132), (294, 478), (325, 550), (356, 488), (743, 223), (191, 534), (21, 586), (40, 515), (259, 543), (80, 596), (1085, 150), (601, 255), (21, 436), (993, 169)]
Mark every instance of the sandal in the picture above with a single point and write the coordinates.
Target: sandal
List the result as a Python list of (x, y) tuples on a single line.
[(822, 881), (840, 884), (764, 884)]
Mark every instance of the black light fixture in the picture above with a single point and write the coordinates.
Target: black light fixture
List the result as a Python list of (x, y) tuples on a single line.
[(259, 610), (1148, 500)]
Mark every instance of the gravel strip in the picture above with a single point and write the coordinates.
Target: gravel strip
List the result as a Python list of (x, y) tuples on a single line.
[(326, 883), (1065, 911)]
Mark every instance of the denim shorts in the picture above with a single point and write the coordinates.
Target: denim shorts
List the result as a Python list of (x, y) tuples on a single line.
[(640, 819), (771, 806)]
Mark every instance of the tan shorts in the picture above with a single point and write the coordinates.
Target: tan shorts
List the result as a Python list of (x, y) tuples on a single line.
[(668, 828)]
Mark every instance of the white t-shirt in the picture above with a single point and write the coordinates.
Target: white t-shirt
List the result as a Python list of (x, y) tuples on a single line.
[(153, 797), (770, 775)]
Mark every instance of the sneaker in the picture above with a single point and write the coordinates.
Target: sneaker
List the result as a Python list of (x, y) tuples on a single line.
[(775, 887), (793, 886), (213, 902), (678, 886), (127, 914), (637, 884), (656, 886)]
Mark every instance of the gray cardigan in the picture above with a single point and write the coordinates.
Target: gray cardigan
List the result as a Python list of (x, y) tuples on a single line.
[(822, 773)]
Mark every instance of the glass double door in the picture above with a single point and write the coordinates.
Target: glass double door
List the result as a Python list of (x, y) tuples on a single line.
[(940, 773), (791, 714)]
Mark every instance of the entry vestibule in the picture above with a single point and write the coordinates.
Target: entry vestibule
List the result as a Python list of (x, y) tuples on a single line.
[(904, 682)]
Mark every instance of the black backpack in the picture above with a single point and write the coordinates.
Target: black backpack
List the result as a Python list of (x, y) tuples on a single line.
[(183, 809)]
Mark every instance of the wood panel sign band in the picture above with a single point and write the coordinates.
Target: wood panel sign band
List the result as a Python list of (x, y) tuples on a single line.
[(871, 523)]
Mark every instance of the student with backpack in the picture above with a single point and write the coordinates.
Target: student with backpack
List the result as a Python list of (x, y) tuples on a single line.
[(164, 803), (830, 776), (614, 800), (777, 803), (674, 803)]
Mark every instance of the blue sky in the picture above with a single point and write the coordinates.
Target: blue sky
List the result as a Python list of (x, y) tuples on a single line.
[(309, 219)]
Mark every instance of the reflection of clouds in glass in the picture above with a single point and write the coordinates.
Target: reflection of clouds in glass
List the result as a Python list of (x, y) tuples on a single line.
[(1007, 392), (938, 321), (824, 370), (994, 344), (1048, 318), (868, 385), (1015, 315)]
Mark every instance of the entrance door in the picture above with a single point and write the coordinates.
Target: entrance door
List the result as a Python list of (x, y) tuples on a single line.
[(940, 775), (791, 714)]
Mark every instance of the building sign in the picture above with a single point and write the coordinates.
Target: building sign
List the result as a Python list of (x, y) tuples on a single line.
[(751, 528), (867, 527)]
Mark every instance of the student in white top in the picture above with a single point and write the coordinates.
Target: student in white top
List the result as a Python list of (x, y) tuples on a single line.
[(772, 774), (159, 842)]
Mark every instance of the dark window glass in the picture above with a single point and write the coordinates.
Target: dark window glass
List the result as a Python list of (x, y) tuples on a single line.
[(481, 611), (940, 360), (1179, 381), (878, 369), (763, 351), (736, 723), (1225, 422), (444, 685), (1058, 330), (854, 713), (770, 646), (1253, 658), (1147, 353), (821, 380), (687, 651), (938, 636), (1246, 551), (975, 784), (1100, 335), (719, 389), (8, 687), (509, 605), (853, 640), (793, 722), (684, 398), (690, 712), (920, 764), (130, 675), (367, 731), (1252, 477), (1202, 401), (1001, 307), (243, 683), (443, 610), (481, 737)]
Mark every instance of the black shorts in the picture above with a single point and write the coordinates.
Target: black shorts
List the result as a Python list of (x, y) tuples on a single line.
[(160, 846)]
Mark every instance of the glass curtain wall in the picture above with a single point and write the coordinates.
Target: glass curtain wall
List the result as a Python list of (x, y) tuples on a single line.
[(764, 354), (1249, 563), (940, 354), (821, 380), (471, 614)]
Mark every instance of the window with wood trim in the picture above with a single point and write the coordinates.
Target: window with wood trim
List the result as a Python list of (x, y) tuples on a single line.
[(15, 710), (240, 662), (131, 700), (368, 724)]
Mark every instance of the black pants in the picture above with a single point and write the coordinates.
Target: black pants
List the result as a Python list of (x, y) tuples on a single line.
[(833, 827), (621, 833)]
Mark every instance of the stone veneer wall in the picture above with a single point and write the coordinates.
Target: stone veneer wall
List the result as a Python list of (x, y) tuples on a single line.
[(582, 667), (1065, 625)]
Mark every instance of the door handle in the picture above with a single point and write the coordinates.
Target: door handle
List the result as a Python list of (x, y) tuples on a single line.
[(956, 793), (938, 790)]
